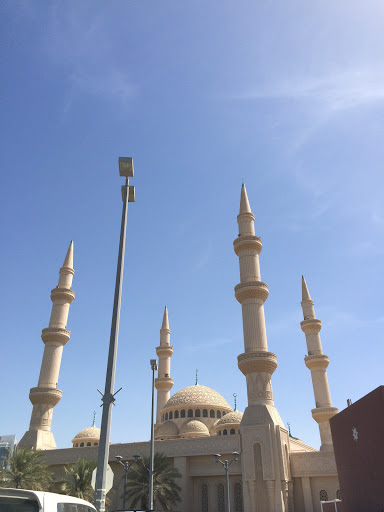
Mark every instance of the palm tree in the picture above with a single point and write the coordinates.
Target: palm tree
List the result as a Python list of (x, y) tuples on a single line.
[(25, 469), (78, 479), (165, 489)]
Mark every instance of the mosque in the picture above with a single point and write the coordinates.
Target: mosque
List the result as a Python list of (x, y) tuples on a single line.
[(275, 472)]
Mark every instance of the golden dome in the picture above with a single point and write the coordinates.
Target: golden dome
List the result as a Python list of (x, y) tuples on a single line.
[(197, 396)]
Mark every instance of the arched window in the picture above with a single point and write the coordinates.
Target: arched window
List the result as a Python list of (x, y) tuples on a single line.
[(182, 413), (81, 445), (211, 413), (171, 415), (176, 414), (224, 413), (225, 432), (95, 444), (218, 414), (89, 444), (197, 413), (232, 431), (166, 416), (205, 413), (77, 445), (323, 495), (220, 498), (338, 494), (204, 498), (190, 413), (219, 432), (238, 497)]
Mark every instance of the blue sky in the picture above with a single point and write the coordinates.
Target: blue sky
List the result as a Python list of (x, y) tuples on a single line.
[(287, 96)]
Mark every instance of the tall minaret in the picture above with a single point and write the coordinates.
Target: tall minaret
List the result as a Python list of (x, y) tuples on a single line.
[(317, 362), (257, 364), (46, 395), (164, 382)]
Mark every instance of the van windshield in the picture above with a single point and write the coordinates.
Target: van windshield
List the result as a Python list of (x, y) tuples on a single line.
[(8, 504)]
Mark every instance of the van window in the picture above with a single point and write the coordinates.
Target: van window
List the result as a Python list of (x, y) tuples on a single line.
[(18, 504), (73, 507)]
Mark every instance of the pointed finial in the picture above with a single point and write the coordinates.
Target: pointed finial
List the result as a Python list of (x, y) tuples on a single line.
[(244, 203), (165, 324), (94, 419), (234, 396), (304, 290), (197, 380), (68, 262), (289, 429)]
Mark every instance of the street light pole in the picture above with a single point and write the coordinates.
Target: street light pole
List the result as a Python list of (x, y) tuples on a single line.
[(108, 399), (152, 449), (126, 467), (226, 465)]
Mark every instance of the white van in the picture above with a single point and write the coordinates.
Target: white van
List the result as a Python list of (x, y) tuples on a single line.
[(21, 500)]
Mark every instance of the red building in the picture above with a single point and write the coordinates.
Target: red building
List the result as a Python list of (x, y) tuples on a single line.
[(358, 439)]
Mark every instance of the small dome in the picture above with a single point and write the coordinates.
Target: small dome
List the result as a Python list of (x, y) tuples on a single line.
[(88, 435), (167, 429), (197, 396), (193, 428), (232, 418)]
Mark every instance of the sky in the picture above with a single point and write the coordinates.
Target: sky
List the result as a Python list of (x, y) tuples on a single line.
[(287, 97)]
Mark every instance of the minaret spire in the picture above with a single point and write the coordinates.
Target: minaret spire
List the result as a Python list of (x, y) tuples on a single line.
[(317, 362), (164, 351), (46, 395)]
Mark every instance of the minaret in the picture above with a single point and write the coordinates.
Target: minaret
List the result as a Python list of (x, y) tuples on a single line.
[(317, 362), (46, 395), (256, 363), (163, 382), (264, 439)]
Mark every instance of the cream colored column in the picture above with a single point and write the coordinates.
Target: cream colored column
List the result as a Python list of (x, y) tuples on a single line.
[(256, 363), (317, 362), (307, 494), (163, 382), (46, 395)]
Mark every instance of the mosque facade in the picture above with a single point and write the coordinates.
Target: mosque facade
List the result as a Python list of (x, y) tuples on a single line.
[(275, 472)]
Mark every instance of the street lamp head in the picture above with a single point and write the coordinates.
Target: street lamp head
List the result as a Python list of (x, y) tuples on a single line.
[(126, 166), (235, 455), (118, 458), (136, 458), (217, 456), (153, 364)]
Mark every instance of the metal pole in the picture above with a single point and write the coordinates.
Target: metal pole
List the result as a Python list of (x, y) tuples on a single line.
[(126, 469), (226, 467), (108, 398), (152, 448)]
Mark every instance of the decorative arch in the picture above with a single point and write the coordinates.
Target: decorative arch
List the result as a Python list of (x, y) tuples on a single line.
[(338, 494), (220, 498), (323, 495), (204, 498), (238, 497)]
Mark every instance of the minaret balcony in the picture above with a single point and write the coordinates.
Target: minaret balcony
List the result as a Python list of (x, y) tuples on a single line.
[(251, 290), (55, 334), (164, 350), (323, 413), (252, 362), (247, 243), (316, 361), (311, 326), (164, 383), (65, 294), (47, 396)]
